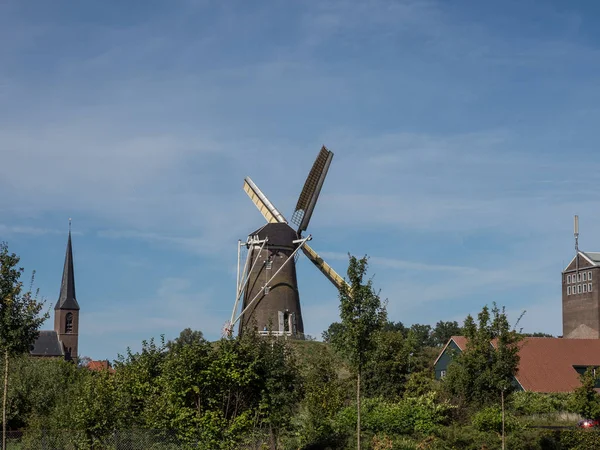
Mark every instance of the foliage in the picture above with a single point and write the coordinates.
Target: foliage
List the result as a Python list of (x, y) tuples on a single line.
[(529, 403), (387, 368), (407, 416), (332, 333), (489, 363), (443, 331), (323, 395), (38, 387), (579, 439), (20, 317), (362, 316), (490, 419), (585, 400)]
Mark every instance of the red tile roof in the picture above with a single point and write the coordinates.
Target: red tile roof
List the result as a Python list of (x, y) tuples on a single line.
[(547, 364), (100, 365)]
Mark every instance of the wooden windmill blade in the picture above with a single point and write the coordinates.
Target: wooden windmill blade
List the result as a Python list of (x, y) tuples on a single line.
[(325, 268), (260, 200), (312, 188)]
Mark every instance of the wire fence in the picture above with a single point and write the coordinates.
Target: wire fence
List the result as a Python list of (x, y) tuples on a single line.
[(80, 440)]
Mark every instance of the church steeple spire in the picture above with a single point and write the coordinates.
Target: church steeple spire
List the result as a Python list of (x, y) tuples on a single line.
[(67, 298)]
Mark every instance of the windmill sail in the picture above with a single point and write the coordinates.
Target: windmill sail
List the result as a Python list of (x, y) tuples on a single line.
[(312, 188), (269, 212), (325, 268)]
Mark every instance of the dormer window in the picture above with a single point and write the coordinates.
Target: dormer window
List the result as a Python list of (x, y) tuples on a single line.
[(69, 323)]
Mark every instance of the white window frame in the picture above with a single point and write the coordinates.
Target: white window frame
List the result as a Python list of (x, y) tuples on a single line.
[(584, 276), (579, 289), (568, 290), (589, 287), (584, 288), (590, 275), (568, 279), (578, 277), (442, 373)]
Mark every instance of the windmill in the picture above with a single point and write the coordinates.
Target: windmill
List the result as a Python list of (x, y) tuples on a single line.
[(267, 286)]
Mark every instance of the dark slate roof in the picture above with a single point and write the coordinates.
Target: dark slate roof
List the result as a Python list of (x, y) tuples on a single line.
[(279, 234), (67, 299), (47, 344)]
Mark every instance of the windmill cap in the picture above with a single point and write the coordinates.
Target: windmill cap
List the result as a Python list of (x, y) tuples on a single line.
[(279, 234)]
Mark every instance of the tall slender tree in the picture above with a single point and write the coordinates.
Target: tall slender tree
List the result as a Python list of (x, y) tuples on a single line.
[(20, 317), (362, 314)]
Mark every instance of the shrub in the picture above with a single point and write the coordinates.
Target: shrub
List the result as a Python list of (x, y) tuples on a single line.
[(529, 403), (490, 419), (414, 414)]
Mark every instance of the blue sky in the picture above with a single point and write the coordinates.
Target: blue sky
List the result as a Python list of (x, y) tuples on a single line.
[(464, 133)]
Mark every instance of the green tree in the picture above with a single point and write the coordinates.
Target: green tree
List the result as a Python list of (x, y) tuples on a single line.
[(388, 365), (20, 318), (485, 371), (443, 331), (362, 316), (323, 396), (585, 400), (422, 335), (332, 333), (186, 337)]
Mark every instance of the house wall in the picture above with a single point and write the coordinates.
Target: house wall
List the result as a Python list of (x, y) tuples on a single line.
[(445, 359)]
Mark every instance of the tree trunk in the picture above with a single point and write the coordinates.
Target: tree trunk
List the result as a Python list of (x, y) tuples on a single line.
[(503, 438), (358, 410), (4, 400)]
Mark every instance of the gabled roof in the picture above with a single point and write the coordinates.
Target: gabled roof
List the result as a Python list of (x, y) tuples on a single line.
[(460, 341), (592, 258), (548, 364), (67, 298), (47, 344)]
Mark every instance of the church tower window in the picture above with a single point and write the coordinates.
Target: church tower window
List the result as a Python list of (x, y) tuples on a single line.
[(69, 323)]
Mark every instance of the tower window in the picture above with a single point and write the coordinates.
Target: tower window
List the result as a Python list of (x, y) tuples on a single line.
[(569, 279), (589, 276), (584, 276), (578, 277), (579, 289), (589, 287), (286, 322), (568, 290), (584, 287), (69, 323)]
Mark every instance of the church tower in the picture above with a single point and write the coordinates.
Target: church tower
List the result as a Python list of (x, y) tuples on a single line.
[(66, 311), (581, 294)]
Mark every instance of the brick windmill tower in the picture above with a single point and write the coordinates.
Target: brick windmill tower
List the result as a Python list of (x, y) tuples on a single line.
[(267, 286)]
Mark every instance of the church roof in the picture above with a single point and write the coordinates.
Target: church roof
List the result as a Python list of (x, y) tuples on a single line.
[(67, 298), (47, 344)]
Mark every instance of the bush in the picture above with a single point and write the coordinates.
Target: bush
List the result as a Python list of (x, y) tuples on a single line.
[(579, 439), (490, 419), (529, 403), (410, 415)]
